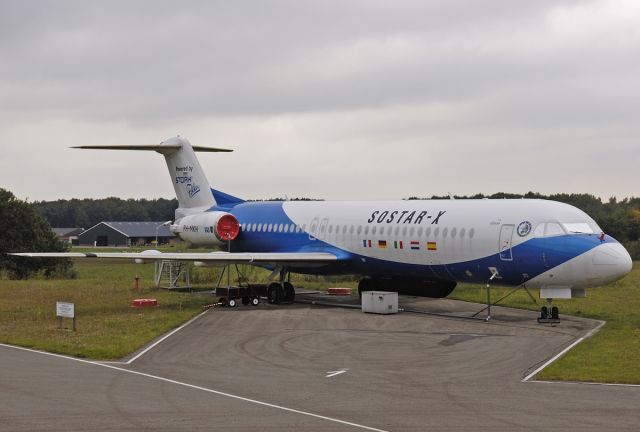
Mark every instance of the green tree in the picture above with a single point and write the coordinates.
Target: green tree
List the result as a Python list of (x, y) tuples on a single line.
[(23, 229)]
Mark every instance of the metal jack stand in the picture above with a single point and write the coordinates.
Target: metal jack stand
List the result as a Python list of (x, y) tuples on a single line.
[(489, 304), (488, 307)]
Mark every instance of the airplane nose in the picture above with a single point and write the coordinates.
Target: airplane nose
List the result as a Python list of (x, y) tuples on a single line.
[(612, 260)]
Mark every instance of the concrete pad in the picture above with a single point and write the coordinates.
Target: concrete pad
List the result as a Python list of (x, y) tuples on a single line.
[(389, 372)]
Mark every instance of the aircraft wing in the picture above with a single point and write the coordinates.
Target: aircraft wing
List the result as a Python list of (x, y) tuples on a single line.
[(258, 258)]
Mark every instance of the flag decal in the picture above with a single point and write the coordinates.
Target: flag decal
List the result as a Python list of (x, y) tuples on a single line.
[(382, 244), (432, 246), (415, 245)]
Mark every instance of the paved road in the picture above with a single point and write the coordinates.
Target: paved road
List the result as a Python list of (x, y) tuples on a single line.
[(402, 372)]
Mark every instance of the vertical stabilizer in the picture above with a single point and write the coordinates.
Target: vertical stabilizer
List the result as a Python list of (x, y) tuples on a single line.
[(189, 182)]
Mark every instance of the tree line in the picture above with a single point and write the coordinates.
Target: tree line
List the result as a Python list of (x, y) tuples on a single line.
[(85, 213), (23, 229)]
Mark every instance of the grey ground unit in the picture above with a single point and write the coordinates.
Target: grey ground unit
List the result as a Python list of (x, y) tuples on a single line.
[(307, 367)]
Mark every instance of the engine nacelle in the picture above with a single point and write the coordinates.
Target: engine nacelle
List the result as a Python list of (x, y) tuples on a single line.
[(206, 229)]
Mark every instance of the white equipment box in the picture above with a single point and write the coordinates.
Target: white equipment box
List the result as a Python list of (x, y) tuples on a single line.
[(380, 302)]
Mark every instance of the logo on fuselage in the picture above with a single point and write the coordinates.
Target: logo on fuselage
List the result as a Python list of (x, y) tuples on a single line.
[(524, 228)]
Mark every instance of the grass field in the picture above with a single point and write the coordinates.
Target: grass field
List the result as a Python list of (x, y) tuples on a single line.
[(109, 328)]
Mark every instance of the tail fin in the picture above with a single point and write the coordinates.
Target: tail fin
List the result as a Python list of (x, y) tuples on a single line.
[(189, 181)]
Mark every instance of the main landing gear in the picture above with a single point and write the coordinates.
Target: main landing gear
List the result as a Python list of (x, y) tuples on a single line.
[(282, 291)]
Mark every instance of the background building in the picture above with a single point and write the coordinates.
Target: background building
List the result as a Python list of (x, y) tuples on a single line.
[(68, 235), (126, 234)]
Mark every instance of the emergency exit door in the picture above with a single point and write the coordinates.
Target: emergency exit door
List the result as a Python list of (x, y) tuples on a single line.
[(506, 235)]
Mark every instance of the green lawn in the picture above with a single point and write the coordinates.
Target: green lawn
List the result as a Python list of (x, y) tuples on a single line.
[(107, 326)]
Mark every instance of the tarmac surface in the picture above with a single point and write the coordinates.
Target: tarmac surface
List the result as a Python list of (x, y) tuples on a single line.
[(308, 367)]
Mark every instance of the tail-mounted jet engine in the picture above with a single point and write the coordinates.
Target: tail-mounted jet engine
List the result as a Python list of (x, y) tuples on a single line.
[(207, 229)]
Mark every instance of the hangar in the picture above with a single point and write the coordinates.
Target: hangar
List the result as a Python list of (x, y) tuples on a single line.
[(68, 235), (127, 234)]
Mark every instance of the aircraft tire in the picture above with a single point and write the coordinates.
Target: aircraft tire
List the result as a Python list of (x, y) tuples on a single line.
[(544, 312), (289, 292), (273, 293)]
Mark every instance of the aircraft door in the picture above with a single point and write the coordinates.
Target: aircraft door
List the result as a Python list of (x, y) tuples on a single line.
[(506, 235)]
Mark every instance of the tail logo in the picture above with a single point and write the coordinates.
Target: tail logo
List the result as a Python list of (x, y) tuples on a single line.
[(184, 177), (192, 189)]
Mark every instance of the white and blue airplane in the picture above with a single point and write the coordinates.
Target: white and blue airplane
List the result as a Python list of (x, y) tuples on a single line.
[(414, 247)]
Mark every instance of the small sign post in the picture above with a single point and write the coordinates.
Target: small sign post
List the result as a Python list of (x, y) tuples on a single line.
[(65, 310)]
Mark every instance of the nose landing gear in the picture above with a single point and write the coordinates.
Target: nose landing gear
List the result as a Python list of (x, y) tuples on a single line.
[(549, 314)]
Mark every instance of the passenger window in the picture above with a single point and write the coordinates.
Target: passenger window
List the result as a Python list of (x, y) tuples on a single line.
[(453, 232), (269, 227), (471, 232), (397, 231), (366, 230), (436, 232), (462, 232), (280, 228), (344, 229), (359, 229), (420, 231), (373, 231), (427, 232), (445, 232), (286, 228), (381, 230), (330, 229), (259, 227), (351, 229)]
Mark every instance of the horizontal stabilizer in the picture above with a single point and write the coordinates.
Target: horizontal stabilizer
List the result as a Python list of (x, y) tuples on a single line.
[(152, 147)]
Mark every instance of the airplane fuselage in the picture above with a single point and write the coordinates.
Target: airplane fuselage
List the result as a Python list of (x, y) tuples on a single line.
[(534, 242)]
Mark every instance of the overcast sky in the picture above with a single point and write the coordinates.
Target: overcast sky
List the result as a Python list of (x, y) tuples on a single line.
[(327, 99)]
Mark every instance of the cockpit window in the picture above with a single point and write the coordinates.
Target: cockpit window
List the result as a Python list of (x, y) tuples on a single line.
[(578, 228), (548, 229), (553, 229), (539, 231)]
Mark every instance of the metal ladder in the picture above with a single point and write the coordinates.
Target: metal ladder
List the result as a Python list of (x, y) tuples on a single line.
[(168, 274)]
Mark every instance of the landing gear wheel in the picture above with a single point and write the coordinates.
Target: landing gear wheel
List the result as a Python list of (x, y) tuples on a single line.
[(273, 293), (232, 303), (255, 301), (555, 313), (289, 292), (544, 312), (245, 300)]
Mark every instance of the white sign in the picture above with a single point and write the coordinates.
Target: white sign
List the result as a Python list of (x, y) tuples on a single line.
[(66, 310)]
